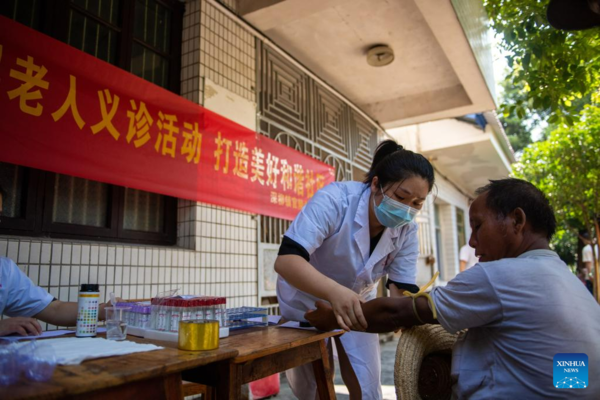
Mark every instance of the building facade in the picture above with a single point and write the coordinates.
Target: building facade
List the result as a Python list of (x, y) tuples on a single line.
[(270, 67)]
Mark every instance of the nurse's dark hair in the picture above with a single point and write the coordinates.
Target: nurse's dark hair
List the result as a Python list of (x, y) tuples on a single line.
[(2, 192), (393, 163), (506, 195)]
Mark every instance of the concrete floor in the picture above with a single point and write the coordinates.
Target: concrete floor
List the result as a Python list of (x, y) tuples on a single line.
[(388, 357)]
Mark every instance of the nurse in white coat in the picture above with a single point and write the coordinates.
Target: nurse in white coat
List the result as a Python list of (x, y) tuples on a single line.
[(346, 238)]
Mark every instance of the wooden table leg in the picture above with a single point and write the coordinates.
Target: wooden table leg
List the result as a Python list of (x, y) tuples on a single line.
[(322, 368), (173, 387), (229, 386)]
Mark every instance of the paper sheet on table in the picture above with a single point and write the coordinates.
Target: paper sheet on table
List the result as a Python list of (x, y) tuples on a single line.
[(72, 351), (273, 319), (296, 325), (45, 334)]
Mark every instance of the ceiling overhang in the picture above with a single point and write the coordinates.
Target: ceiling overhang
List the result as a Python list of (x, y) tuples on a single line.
[(472, 163), (435, 73)]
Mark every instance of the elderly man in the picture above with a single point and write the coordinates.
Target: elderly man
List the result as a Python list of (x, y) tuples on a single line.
[(25, 302), (520, 304)]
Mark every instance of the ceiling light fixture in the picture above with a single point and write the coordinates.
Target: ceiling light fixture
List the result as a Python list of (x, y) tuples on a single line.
[(380, 55)]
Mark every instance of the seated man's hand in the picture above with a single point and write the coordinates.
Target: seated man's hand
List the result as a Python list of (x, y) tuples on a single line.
[(21, 325), (323, 317)]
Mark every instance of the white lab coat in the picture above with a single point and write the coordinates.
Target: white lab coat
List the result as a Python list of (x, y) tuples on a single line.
[(334, 228)]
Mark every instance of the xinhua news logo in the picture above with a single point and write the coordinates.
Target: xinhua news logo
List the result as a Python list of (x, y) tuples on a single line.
[(571, 371)]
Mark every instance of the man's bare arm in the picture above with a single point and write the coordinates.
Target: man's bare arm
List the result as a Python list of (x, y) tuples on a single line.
[(384, 314)]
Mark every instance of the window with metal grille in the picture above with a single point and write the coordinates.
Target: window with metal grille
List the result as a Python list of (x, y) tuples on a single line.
[(39, 203), (140, 36)]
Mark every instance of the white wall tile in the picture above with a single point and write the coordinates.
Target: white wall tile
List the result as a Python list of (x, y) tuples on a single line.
[(65, 275), (66, 253), (3, 247), (103, 255), (13, 251), (94, 255), (54, 275), (85, 254), (73, 293), (119, 257), (134, 276), (93, 275), (84, 274), (110, 274), (127, 256), (112, 256), (76, 254), (102, 275), (34, 273), (24, 252)]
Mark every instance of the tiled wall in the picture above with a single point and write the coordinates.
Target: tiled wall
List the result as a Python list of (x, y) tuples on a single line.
[(227, 53)]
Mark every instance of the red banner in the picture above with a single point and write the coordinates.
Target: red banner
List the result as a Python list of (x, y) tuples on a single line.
[(65, 111)]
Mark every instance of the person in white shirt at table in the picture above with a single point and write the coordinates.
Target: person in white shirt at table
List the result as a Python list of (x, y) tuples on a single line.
[(26, 302)]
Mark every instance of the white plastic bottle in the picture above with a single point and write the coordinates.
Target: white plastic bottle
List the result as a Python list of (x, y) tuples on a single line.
[(87, 310)]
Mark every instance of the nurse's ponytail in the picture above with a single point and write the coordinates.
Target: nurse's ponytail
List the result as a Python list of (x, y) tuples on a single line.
[(393, 163)]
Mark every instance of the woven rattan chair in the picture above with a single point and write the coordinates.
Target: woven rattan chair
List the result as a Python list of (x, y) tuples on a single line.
[(423, 360)]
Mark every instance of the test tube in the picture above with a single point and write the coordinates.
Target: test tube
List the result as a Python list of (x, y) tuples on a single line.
[(175, 315), (221, 311), (154, 314), (199, 308), (209, 311), (145, 317), (186, 313), (163, 315)]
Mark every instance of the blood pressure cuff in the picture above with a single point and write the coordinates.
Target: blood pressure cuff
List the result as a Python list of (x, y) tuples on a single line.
[(289, 246), (403, 286)]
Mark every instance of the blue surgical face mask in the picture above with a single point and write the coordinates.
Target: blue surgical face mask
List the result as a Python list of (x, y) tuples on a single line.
[(392, 213)]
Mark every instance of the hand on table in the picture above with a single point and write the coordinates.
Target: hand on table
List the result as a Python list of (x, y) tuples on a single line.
[(22, 325)]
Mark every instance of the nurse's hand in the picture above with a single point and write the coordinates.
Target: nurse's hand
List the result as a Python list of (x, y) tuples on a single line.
[(347, 308), (20, 325)]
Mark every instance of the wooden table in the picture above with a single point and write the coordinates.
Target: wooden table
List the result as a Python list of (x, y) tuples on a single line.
[(147, 375), (264, 352), (241, 358)]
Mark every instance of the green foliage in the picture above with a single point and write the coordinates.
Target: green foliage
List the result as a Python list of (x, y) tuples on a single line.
[(564, 244), (567, 168), (554, 68), (518, 129)]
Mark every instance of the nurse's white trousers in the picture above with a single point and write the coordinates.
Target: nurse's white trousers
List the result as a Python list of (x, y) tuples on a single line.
[(365, 356)]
